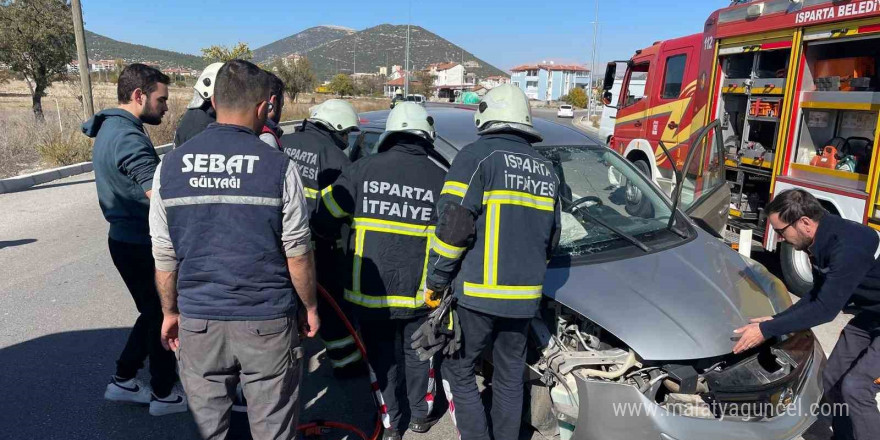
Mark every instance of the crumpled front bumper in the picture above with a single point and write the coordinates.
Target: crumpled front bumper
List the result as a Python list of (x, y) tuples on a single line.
[(611, 411)]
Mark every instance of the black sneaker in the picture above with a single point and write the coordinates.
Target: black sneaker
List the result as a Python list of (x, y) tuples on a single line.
[(391, 434), (422, 425)]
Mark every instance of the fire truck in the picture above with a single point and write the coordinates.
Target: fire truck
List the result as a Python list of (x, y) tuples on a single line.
[(790, 92)]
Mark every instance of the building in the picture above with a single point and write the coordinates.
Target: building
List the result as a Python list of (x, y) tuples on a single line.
[(291, 59), (450, 79), (494, 81), (549, 81), (392, 85)]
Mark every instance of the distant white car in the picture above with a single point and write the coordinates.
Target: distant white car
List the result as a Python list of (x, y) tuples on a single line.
[(565, 111)]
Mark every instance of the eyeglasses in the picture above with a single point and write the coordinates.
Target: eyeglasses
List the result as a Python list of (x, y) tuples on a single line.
[(780, 231)]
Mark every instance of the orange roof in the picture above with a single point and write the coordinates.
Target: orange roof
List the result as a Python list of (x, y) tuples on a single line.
[(399, 82), (568, 67)]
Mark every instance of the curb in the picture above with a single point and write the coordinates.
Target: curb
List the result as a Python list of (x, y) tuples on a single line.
[(20, 183)]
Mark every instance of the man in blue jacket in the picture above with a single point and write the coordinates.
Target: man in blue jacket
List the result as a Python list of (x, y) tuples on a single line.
[(125, 161), (846, 269)]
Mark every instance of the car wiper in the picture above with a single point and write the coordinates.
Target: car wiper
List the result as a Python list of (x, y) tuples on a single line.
[(670, 226), (635, 241)]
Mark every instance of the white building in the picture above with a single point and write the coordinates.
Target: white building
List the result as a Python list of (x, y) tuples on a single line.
[(494, 81), (450, 80)]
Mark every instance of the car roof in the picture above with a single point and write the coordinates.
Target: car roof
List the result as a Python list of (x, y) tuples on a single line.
[(455, 125)]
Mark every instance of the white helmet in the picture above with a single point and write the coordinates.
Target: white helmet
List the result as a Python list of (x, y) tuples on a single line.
[(505, 108), (335, 115), (408, 117), (204, 88)]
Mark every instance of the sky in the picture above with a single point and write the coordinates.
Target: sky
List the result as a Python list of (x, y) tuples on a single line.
[(505, 34)]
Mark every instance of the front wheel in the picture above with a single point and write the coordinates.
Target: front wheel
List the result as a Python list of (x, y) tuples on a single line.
[(637, 204), (797, 271)]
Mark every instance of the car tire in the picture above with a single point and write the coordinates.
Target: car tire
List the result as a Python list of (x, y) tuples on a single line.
[(797, 270), (636, 204)]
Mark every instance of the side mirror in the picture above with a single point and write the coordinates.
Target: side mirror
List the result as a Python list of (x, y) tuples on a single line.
[(610, 74), (606, 98)]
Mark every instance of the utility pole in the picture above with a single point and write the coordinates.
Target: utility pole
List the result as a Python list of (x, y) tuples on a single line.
[(83, 58), (354, 62), (406, 66), (590, 97)]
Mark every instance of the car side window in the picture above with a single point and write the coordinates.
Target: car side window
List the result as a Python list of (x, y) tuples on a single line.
[(363, 145), (639, 71), (673, 76)]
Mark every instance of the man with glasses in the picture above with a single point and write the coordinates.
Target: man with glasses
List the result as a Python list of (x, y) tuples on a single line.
[(846, 270)]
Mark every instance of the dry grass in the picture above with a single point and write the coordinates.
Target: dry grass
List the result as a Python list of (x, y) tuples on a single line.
[(300, 108), (28, 146)]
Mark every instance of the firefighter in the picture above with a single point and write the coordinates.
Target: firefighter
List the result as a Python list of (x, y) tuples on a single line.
[(389, 200), (199, 112), (316, 149), (499, 220)]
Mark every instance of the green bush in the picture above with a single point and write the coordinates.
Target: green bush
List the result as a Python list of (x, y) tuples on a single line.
[(577, 97)]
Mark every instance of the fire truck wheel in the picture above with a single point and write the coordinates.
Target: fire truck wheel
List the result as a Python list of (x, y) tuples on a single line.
[(796, 270), (636, 204)]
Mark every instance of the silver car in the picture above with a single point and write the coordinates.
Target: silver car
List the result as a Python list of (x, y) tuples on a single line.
[(634, 337)]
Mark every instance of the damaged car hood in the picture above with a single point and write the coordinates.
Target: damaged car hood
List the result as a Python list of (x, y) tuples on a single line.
[(677, 304)]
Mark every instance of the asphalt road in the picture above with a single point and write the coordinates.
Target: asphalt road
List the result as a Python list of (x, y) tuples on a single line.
[(66, 314)]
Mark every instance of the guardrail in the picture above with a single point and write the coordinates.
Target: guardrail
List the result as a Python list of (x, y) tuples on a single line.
[(20, 183)]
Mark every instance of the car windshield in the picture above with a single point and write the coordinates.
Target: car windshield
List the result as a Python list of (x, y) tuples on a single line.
[(565, 107), (609, 190)]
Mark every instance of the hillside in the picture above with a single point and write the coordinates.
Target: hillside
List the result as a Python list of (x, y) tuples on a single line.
[(301, 42), (103, 48), (385, 45)]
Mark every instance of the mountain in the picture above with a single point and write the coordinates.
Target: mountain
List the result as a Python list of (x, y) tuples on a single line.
[(301, 42), (103, 48), (383, 45)]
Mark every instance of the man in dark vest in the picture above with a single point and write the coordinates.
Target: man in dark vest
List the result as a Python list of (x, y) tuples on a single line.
[(847, 271), (231, 241)]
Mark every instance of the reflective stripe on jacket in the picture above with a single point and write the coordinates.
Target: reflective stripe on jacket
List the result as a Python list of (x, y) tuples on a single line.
[(498, 222), (389, 200)]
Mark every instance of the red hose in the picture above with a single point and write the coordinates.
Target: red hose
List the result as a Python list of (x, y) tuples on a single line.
[(314, 428)]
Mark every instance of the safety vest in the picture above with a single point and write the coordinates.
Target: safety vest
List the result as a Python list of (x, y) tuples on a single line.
[(389, 200), (497, 252), (318, 156), (223, 195)]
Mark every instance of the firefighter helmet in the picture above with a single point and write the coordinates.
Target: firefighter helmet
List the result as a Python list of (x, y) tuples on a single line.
[(335, 115), (408, 117), (505, 108), (204, 88)]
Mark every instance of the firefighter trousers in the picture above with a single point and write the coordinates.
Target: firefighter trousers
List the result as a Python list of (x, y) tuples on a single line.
[(402, 378), (507, 336), (341, 349)]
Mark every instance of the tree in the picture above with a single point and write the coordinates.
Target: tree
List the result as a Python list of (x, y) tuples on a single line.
[(342, 85), (577, 97), (36, 41), (424, 83), (369, 85), (298, 75), (222, 54)]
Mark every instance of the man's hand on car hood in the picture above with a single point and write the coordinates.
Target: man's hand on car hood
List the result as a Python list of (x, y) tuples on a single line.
[(751, 335)]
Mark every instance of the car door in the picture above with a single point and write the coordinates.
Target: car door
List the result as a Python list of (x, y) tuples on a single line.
[(632, 107), (703, 192)]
